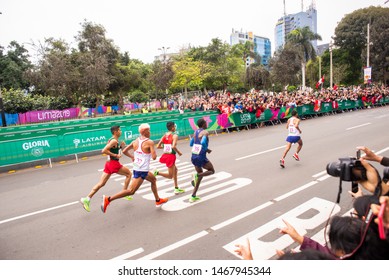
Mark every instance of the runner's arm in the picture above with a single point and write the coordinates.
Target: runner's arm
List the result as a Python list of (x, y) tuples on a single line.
[(152, 149), (159, 145), (106, 149), (174, 145)]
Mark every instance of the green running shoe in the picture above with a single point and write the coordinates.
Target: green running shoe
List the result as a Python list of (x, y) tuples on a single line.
[(85, 203), (156, 172), (178, 190), (128, 197), (194, 199), (195, 178)]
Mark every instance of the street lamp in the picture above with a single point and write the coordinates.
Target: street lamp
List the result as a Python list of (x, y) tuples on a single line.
[(4, 122), (331, 46), (163, 49)]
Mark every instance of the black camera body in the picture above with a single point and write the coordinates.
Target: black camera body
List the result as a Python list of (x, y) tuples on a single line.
[(347, 169)]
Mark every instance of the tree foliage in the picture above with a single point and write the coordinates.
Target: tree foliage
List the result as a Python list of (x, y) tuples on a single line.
[(13, 65), (351, 38)]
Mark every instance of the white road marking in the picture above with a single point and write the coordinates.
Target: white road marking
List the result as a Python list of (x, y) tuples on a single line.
[(174, 246), (183, 202), (38, 212), (260, 153), (358, 126), (129, 254), (263, 250)]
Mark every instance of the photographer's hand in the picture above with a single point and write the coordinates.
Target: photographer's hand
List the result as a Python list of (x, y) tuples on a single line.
[(357, 194), (373, 178), (291, 231), (369, 155)]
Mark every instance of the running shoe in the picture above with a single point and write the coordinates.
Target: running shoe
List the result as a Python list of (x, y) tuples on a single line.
[(128, 197), (195, 177), (296, 157), (161, 201), (85, 203), (105, 203), (194, 199), (178, 190), (282, 163), (156, 172)]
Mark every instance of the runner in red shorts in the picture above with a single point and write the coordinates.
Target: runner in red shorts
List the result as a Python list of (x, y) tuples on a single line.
[(111, 166), (168, 143)]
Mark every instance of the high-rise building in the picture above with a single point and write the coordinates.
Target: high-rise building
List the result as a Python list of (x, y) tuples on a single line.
[(287, 23), (262, 45)]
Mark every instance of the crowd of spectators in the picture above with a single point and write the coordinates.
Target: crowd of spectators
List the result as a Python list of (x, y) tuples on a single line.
[(257, 101)]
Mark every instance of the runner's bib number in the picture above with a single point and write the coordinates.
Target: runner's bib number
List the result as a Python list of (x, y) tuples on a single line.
[(196, 149), (167, 148), (138, 162)]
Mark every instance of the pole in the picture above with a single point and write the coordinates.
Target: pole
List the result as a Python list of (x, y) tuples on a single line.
[(368, 45), (319, 67), (331, 65), (3, 120)]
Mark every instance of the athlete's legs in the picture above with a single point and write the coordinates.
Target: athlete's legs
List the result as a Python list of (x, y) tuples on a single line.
[(300, 145), (134, 186), (103, 180), (125, 171), (170, 173), (175, 172), (197, 185), (200, 174), (288, 145), (153, 181)]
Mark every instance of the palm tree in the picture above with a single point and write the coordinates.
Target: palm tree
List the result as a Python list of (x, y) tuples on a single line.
[(300, 39)]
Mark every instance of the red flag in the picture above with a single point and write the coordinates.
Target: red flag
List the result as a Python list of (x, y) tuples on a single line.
[(317, 105), (320, 82)]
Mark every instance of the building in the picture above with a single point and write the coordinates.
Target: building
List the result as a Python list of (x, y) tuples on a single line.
[(322, 48), (262, 45), (293, 21)]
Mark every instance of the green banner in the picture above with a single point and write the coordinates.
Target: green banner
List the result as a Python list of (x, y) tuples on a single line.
[(29, 149)]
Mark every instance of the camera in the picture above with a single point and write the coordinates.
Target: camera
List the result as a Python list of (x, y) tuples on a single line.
[(385, 176), (348, 169)]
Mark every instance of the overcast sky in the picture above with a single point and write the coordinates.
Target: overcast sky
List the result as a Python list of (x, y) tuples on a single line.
[(142, 26)]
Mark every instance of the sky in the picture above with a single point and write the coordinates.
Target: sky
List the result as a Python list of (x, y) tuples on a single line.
[(142, 27)]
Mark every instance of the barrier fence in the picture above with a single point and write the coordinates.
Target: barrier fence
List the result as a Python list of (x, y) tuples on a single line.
[(28, 143)]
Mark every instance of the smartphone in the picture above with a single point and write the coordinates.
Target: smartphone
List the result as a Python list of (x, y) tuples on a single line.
[(358, 154), (381, 229)]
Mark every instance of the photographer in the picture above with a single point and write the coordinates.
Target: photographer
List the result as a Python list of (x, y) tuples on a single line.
[(373, 184)]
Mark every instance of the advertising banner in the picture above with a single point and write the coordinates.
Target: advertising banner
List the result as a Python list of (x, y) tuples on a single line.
[(48, 115), (29, 149)]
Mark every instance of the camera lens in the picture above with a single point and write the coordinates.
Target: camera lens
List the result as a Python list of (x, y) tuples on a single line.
[(333, 169)]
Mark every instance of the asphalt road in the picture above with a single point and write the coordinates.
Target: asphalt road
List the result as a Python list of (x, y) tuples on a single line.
[(247, 197)]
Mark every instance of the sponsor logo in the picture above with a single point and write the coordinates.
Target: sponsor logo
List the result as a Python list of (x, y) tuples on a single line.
[(245, 118), (33, 144), (128, 135), (55, 114), (90, 141), (36, 147)]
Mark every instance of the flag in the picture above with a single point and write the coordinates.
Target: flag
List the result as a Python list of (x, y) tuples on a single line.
[(320, 82), (317, 105), (335, 87)]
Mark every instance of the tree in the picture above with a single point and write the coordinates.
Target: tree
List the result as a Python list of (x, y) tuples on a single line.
[(127, 78), (13, 65), (162, 75), (285, 67), (56, 73), (97, 59), (351, 37), (300, 39), (187, 74)]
